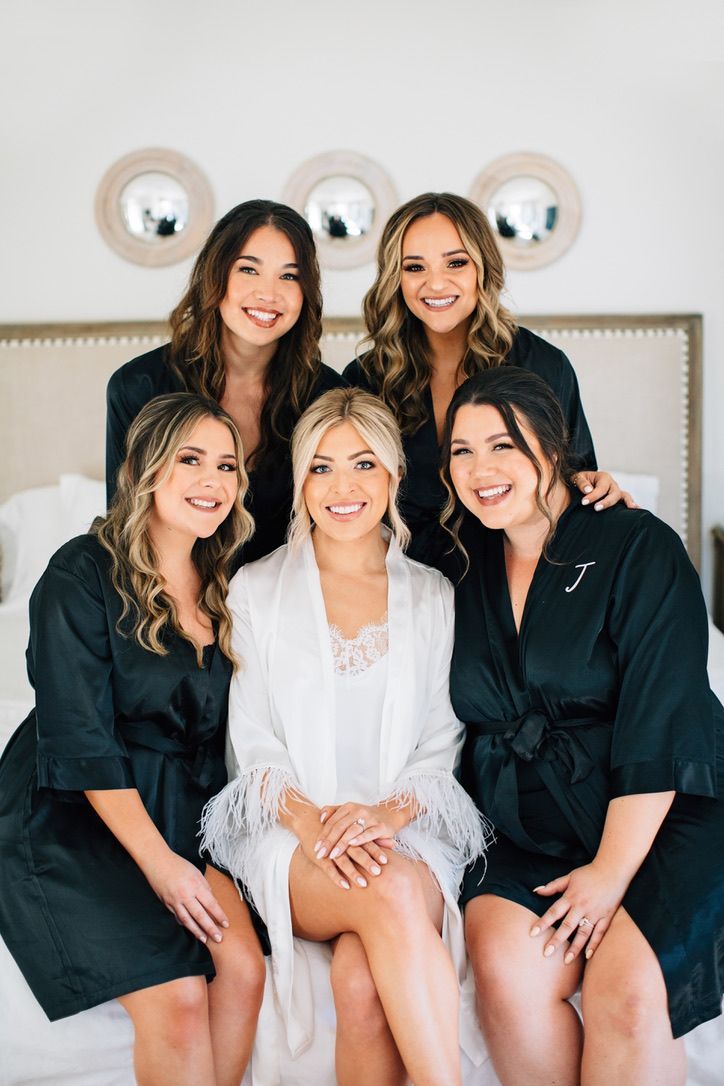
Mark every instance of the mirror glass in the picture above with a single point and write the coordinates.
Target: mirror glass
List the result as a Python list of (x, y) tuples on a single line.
[(154, 206), (340, 207), (524, 209)]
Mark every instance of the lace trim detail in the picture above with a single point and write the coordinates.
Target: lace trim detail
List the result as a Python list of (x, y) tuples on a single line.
[(354, 655)]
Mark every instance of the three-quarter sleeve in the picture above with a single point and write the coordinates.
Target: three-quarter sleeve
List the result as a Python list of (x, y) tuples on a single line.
[(664, 730), (69, 658)]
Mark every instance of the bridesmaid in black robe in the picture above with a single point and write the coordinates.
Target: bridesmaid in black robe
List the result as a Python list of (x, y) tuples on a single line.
[(246, 334), (596, 747), (434, 316), (103, 889)]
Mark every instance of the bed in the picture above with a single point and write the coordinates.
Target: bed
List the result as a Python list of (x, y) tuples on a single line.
[(649, 435)]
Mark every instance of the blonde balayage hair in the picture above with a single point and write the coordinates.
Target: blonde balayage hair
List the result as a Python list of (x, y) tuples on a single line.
[(398, 362), (375, 424), (161, 428)]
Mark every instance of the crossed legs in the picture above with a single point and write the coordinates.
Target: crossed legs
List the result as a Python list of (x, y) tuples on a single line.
[(190, 1033), (395, 923), (534, 1035)]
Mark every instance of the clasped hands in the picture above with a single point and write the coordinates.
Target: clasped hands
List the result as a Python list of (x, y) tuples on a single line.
[(350, 841)]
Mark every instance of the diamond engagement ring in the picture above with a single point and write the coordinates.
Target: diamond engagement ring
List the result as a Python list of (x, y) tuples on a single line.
[(360, 822), (584, 922)]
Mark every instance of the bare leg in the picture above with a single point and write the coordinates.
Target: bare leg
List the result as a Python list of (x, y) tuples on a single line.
[(625, 1008), (532, 1031), (365, 1050), (172, 1043), (412, 970), (236, 992)]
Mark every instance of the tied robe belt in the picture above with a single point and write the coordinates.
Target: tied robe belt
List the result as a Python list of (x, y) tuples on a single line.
[(200, 757), (564, 764)]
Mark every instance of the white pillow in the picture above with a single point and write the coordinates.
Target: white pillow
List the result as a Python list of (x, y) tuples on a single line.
[(33, 528), (644, 488), (82, 500)]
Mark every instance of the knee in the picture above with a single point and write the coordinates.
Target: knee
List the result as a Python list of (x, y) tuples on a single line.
[(356, 1000), (397, 892), (243, 969), (622, 1009), (186, 1014)]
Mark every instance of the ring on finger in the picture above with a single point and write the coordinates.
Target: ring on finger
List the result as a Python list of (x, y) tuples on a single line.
[(584, 922), (360, 822)]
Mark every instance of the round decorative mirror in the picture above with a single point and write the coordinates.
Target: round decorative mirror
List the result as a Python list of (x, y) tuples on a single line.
[(532, 204), (154, 207), (346, 199)]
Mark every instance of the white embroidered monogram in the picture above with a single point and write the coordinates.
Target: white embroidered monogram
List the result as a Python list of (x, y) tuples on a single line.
[(353, 656), (583, 566)]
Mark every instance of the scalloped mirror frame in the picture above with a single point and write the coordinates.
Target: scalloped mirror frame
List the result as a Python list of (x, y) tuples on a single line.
[(109, 218), (347, 252), (569, 208)]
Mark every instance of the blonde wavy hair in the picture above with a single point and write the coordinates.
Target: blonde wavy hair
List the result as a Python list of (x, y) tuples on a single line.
[(398, 363), (375, 424), (161, 428)]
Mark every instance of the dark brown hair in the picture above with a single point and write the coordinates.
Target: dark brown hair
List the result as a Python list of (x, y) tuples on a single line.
[(398, 363), (195, 351), (520, 397)]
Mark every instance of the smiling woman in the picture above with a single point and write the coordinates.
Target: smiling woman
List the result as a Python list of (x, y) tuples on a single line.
[(103, 784), (246, 335)]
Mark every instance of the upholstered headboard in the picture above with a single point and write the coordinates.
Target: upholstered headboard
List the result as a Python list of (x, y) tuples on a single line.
[(640, 380)]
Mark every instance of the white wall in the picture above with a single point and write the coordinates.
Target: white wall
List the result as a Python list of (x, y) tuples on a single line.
[(627, 94)]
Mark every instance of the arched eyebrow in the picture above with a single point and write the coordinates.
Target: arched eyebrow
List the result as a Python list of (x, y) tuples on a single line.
[(330, 459), (453, 252), (258, 260), (202, 452), (490, 440)]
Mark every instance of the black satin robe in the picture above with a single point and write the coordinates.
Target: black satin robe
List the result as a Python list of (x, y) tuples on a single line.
[(269, 498), (75, 910), (422, 494), (603, 693)]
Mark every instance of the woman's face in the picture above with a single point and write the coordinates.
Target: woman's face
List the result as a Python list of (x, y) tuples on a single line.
[(201, 489), (493, 478), (347, 487), (439, 281), (263, 297)]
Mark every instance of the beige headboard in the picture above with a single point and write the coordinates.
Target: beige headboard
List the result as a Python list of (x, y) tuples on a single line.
[(640, 381)]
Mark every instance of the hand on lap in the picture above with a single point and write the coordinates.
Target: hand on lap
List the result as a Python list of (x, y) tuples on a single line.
[(589, 899)]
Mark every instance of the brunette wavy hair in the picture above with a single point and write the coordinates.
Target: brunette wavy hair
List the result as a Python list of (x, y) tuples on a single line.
[(522, 398), (398, 363), (161, 428), (195, 349)]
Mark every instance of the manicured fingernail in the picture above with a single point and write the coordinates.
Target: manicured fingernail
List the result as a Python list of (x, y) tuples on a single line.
[(589, 952), (324, 816), (598, 506), (321, 854), (584, 501), (354, 841), (317, 845), (344, 884), (334, 853), (537, 889), (375, 869), (218, 938), (202, 938), (550, 949), (534, 931), (382, 858), (587, 488), (361, 882), (568, 958), (224, 923)]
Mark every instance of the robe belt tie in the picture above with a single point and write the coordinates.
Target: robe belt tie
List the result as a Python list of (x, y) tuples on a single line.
[(200, 757), (535, 736)]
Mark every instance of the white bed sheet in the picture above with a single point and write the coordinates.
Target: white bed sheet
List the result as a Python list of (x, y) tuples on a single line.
[(94, 1048)]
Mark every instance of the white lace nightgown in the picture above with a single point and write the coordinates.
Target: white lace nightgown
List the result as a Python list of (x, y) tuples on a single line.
[(360, 682)]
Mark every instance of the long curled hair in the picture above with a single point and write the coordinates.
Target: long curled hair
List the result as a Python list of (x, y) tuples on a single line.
[(523, 398), (196, 325), (161, 428), (398, 363), (375, 424)]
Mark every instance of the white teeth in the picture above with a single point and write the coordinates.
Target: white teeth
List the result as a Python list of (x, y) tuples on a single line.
[(493, 491), (346, 508), (438, 302), (203, 504), (262, 315)]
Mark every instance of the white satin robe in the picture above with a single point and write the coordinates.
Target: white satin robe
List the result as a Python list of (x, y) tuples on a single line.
[(282, 720)]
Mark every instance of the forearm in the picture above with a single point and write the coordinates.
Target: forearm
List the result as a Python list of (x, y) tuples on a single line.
[(632, 823), (124, 814)]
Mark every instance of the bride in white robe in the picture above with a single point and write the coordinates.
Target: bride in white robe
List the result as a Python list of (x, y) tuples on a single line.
[(341, 729)]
